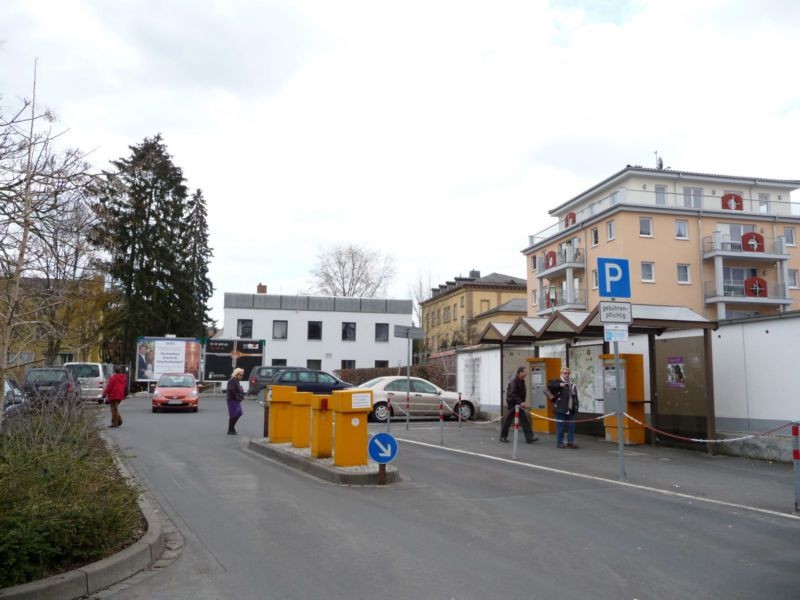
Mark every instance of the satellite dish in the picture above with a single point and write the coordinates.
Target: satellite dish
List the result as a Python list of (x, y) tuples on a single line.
[(660, 164)]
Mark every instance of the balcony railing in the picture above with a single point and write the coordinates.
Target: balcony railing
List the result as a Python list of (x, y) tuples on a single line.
[(553, 259), (557, 297), (727, 243), (653, 199), (735, 288)]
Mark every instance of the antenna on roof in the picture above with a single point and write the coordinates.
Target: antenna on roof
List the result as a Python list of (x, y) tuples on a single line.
[(659, 162)]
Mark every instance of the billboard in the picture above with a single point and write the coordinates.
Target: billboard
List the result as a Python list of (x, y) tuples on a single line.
[(158, 355), (223, 356)]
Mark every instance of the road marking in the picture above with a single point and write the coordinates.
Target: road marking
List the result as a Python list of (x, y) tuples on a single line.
[(637, 486)]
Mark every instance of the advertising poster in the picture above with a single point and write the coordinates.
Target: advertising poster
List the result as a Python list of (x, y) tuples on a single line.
[(223, 356), (676, 372), (157, 356)]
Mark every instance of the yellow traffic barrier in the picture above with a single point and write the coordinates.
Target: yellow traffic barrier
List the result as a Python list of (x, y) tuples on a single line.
[(350, 411), (280, 413), (301, 419), (321, 427)]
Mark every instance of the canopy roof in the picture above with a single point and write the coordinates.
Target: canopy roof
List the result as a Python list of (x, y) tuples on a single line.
[(647, 318)]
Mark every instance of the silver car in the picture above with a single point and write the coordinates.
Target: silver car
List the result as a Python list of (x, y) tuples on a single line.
[(92, 378), (422, 400)]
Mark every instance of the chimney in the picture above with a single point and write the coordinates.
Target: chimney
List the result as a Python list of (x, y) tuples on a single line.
[(261, 289), (475, 274)]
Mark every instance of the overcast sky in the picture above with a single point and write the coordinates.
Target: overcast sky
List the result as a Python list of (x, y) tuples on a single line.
[(439, 133)]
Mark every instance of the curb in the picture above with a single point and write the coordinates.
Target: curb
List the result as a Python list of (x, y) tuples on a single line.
[(301, 460), (102, 573)]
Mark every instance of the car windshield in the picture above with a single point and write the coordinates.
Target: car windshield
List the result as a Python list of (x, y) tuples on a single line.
[(45, 375), (371, 382), (84, 370), (176, 381)]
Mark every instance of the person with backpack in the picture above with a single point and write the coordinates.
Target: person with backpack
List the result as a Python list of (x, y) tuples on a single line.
[(516, 395)]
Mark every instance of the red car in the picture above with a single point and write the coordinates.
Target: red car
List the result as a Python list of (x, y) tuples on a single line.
[(176, 391)]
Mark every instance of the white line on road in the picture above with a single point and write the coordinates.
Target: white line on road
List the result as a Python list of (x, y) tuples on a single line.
[(637, 486)]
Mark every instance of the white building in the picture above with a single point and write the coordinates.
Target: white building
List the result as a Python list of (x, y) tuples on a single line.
[(321, 332)]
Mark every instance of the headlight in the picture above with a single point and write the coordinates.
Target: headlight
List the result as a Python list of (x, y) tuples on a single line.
[(193, 395), (157, 394)]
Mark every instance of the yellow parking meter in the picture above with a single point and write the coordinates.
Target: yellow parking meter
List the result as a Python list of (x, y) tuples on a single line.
[(350, 411), (301, 419), (280, 414), (321, 427)]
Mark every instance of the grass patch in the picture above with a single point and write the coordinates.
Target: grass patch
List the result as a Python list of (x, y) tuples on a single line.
[(63, 503)]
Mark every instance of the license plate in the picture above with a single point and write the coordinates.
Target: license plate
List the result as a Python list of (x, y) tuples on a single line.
[(174, 402)]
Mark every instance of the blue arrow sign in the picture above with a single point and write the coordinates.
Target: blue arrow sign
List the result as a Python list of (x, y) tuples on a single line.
[(382, 447)]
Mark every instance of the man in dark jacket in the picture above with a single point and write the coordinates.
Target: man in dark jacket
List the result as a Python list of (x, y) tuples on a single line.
[(564, 395), (516, 395)]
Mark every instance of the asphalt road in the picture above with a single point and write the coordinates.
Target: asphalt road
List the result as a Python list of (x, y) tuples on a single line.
[(458, 526)]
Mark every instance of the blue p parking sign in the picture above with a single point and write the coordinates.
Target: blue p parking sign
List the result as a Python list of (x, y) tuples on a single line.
[(614, 277)]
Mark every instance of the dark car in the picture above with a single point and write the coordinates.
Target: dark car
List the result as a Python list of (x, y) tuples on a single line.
[(316, 382), (13, 399), (261, 377), (50, 383)]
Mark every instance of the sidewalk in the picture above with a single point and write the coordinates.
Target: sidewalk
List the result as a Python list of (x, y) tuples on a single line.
[(753, 483)]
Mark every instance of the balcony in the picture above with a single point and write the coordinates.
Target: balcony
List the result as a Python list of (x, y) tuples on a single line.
[(557, 298), (750, 291), (750, 246), (647, 199), (555, 262)]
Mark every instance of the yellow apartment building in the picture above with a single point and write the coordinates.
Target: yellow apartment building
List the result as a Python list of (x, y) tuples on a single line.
[(724, 246), (449, 316)]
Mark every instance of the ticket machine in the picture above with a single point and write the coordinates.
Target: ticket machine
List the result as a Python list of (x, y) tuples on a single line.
[(542, 370), (629, 398)]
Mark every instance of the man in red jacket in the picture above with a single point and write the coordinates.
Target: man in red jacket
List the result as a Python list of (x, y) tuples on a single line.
[(116, 389)]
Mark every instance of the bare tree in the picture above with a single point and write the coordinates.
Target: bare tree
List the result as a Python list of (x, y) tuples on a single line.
[(350, 270), (420, 291)]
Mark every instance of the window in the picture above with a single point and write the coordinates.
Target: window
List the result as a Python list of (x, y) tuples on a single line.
[(348, 364), (462, 321), (64, 357), (692, 197), (661, 195), (278, 362), (315, 330), (794, 278), (533, 268), (732, 234), (348, 332), (20, 358), (446, 314), (314, 363), (611, 230), (595, 236), (683, 274), (422, 387), (646, 226), (455, 311), (788, 234), (681, 229), (484, 305), (244, 328), (648, 271), (381, 364), (595, 283), (462, 297), (733, 279), (280, 330), (381, 332), (763, 203)]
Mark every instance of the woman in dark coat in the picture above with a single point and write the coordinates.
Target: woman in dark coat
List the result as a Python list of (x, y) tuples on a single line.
[(235, 397)]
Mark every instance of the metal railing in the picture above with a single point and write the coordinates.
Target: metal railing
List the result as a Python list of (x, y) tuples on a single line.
[(727, 243), (569, 255), (735, 288), (553, 298)]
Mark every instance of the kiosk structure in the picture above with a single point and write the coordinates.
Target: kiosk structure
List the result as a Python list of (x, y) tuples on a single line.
[(631, 397)]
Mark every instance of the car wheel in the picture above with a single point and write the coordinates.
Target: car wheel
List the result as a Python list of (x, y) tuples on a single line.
[(466, 410), (380, 412)]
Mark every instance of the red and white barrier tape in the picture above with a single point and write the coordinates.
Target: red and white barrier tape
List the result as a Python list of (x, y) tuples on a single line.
[(703, 441)]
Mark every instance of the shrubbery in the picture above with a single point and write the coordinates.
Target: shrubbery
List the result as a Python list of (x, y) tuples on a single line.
[(63, 503)]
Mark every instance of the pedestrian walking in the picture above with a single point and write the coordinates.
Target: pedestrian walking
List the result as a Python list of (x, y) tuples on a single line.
[(115, 391), (516, 395), (235, 397), (564, 394)]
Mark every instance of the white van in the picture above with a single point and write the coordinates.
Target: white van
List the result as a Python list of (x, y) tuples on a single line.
[(92, 378)]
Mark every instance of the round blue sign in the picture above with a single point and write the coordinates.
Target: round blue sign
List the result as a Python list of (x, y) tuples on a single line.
[(382, 448)]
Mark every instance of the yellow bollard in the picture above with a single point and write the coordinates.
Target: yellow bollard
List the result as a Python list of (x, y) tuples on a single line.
[(350, 411), (301, 419), (321, 427), (280, 414)]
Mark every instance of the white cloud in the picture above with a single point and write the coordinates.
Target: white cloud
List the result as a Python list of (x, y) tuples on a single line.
[(440, 133)]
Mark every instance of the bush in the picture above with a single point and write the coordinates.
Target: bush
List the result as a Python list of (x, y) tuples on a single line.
[(63, 503)]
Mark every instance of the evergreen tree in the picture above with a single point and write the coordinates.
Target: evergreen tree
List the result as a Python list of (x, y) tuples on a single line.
[(146, 225), (199, 254)]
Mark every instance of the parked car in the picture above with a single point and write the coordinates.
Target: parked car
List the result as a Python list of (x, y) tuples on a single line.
[(176, 391), (50, 383), (423, 399), (92, 378), (261, 377), (316, 382), (13, 399)]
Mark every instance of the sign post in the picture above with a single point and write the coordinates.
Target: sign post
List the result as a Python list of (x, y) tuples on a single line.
[(410, 333), (614, 281)]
